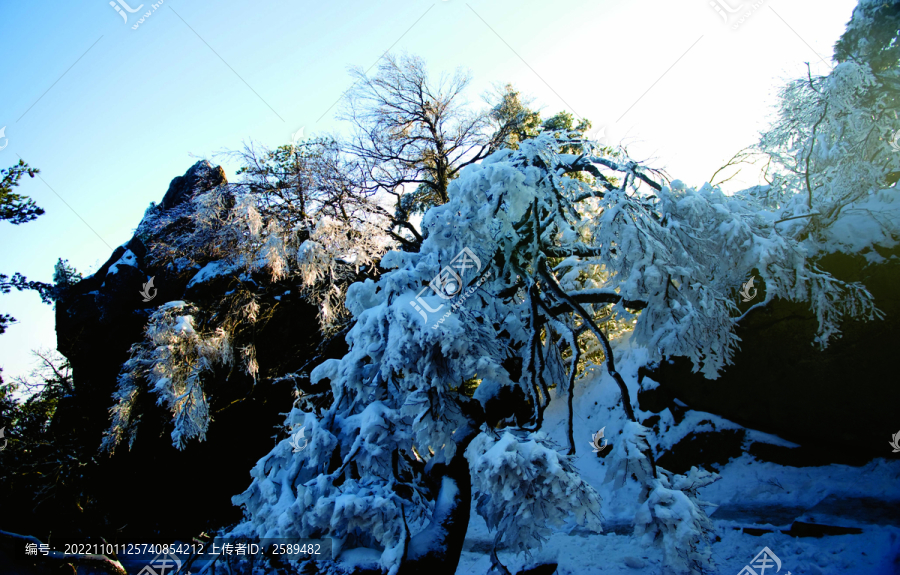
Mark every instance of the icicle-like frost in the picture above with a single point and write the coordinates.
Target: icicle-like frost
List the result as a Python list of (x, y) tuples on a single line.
[(172, 361)]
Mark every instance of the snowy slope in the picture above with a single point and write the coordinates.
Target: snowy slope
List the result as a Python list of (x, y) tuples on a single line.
[(748, 486)]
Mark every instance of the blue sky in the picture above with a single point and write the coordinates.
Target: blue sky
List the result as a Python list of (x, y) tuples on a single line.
[(111, 114)]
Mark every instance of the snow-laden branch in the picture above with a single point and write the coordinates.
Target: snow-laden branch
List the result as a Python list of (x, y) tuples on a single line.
[(172, 361), (524, 260)]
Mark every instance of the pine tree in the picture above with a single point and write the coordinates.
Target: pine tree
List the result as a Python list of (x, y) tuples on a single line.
[(18, 209), (15, 208)]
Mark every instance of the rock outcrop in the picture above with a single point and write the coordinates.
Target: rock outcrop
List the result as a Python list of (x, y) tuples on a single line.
[(838, 404), (152, 488)]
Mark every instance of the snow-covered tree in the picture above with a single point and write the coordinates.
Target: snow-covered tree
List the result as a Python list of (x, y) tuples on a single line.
[(294, 216), (833, 146), (520, 265), (629, 459), (671, 515), (871, 35), (288, 223), (524, 488), (412, 134)]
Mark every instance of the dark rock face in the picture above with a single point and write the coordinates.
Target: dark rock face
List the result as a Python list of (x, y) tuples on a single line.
[(104, 314), (200, 176), (801, 529), (705, 449), (839, 404), (99, 315), (154, 489)]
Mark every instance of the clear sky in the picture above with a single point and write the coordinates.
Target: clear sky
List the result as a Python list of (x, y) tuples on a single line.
[(110, 114)]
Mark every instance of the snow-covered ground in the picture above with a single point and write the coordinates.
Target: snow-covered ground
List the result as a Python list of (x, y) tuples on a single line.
[(750, 494)]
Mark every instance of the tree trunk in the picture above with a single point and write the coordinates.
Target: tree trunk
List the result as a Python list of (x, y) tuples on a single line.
[(437, 548)]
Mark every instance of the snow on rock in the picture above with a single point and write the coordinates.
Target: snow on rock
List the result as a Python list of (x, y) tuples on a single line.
[(744, 482), (210, 271), (127, 259)]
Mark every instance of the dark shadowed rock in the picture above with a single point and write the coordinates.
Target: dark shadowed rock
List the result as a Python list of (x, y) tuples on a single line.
[(801, 529), (838, 404), (201, 176), (705, 449), (153, 488)]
